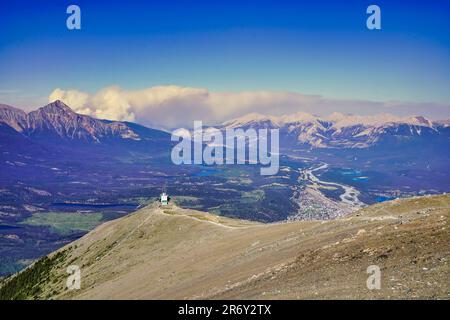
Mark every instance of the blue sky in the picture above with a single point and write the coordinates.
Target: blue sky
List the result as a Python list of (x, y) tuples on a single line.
[(310, 47)]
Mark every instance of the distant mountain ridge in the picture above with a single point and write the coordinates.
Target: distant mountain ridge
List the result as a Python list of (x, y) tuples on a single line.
[(58, 120), (342, 131)]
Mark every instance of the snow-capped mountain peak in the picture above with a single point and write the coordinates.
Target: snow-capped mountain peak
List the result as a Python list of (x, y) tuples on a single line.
[(298, 117), (251, 119)]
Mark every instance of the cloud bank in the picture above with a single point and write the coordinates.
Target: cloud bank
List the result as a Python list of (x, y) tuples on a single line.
[(174, 106)]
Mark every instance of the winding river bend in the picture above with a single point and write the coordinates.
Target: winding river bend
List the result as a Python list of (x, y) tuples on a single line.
[(350, 195)]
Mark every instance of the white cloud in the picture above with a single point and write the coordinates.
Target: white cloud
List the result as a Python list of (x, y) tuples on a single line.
[(74, 98), (174, 106)]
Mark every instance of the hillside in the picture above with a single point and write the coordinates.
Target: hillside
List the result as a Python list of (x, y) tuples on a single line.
[(173, 253)]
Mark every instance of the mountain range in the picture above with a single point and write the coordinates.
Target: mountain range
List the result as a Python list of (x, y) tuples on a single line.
[(344, 131), (57, 121)]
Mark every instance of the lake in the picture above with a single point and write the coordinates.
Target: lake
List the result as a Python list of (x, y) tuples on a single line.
[(7, 227)]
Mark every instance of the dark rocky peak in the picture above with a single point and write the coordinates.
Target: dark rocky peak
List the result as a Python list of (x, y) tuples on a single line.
[(56, 107)]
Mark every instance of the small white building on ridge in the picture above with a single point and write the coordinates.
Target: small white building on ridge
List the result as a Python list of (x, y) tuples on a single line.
[(164, 198)]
